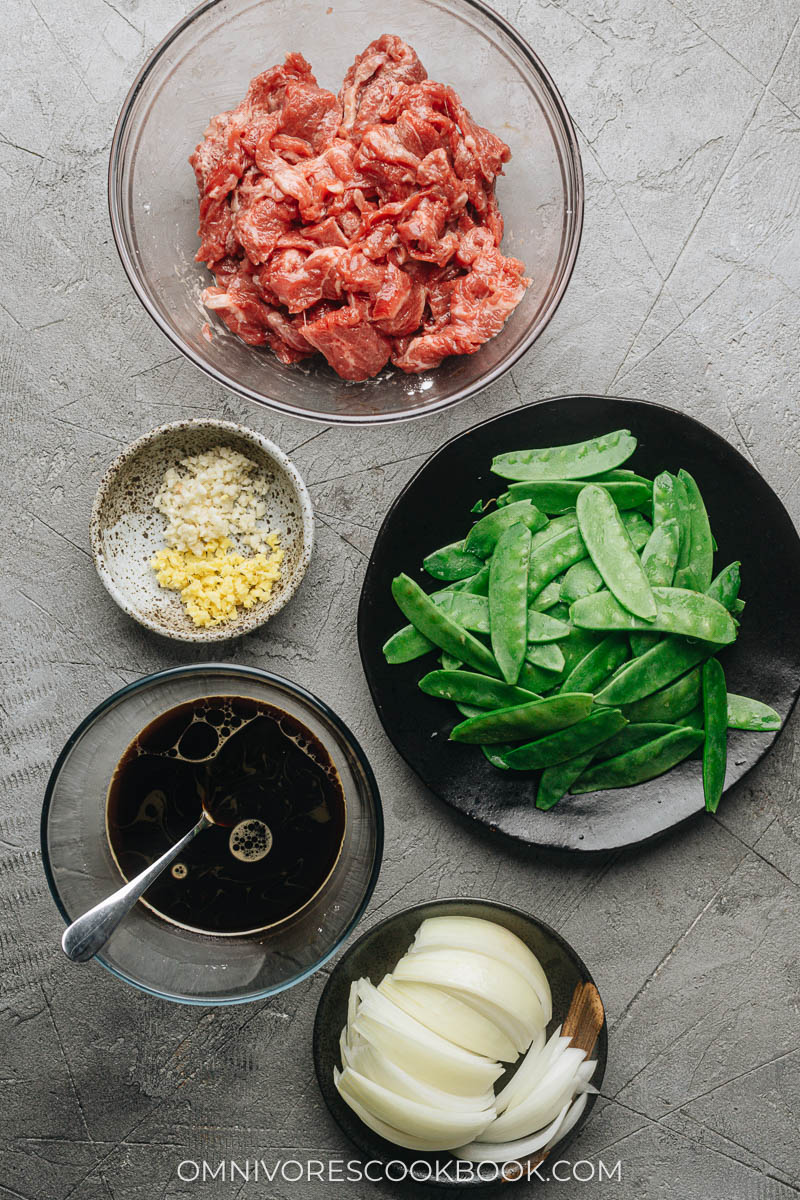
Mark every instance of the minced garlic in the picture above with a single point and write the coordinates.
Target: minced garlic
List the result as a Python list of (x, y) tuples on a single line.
[(216, 582)]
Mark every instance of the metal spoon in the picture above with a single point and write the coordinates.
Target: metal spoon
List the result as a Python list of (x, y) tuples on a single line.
[(84, 937)]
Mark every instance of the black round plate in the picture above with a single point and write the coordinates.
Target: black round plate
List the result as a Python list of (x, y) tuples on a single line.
[(377, 952), (749, 523)]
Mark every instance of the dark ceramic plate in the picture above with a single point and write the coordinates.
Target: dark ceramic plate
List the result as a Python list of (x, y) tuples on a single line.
[(749, 523), (374, 954)]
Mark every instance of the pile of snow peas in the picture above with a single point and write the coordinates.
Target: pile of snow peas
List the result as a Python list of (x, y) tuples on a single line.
[(579, 625)]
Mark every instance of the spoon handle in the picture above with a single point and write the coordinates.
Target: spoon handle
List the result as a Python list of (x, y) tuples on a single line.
[(84, 937)]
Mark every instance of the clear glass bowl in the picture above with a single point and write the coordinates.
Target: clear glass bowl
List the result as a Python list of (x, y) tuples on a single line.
[(204, 66), (167, 960)]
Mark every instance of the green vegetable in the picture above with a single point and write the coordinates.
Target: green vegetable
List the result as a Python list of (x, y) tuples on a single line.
[(555, 526), (744, 713), (610, 550), (537, 679), (560, 496), (715, 746), (595, 666), (546, 654), (545, 628), (406, 645), (556, 781), (659, 559), (670, 703), (524, 720), (497, 755), (452, 562), (553, 557), (697, 570), (637, 766), (438, 628), (576, 461), (691, 614), (633, 736), (637, 527), (582, 579), (508, 599), (482, 538), (567, 743), (695, 718), (547, 597), (475, 585), (466, 687)]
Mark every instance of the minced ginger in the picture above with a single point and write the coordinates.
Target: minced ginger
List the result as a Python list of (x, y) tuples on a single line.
[(216, 582)]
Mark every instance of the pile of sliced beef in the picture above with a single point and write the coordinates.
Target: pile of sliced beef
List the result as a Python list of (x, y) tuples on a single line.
[(362, 226)]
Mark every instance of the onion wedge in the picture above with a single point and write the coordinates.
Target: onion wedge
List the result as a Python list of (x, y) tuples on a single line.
[(495, 941), (396, 1136), (558, 1087), (516, 1033), (409, 1116), (506, 1152), (574, 1114), (450, 1017), (374, 1065), (469, 973), (530, 1071), (427, 1056)]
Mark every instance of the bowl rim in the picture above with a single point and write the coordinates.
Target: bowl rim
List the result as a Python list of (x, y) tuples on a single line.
[(601, 1046), (248, 620), (574, 160), (245, 672)]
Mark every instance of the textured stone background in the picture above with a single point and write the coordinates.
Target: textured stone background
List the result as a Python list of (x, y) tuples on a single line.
[(687, 291)]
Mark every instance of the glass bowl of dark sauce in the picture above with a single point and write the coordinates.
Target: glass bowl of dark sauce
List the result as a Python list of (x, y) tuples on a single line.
[(263, 897)]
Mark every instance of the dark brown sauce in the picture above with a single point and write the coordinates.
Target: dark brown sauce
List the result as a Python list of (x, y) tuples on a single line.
[(263, 777)]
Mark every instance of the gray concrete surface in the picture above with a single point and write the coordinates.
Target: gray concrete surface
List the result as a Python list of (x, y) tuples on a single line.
[(687, 291)]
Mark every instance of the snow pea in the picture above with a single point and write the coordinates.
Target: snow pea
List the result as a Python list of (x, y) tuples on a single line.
[(633, 736), (471, 611), (565, 744), (694, 718), (497, 755), (576, 461), (469, 710), (553, 557), (682, 515), (537, 679), (524, 720), (555, 782), (643, 763), (715, 746), (406, 645), (545, 628), (552, 528), (452, 562), (637, 527), (449, 663), (672, 657), (582, 579), (744, 713), (697, 570), (546, 654), (659, 559), (475, 585), (438, 628), (597, 665), (559, 496), (668, 499), (482, 538), (547, 597), (670, 703), (691, 614), (612, 553), (508, 599), (467, 687)]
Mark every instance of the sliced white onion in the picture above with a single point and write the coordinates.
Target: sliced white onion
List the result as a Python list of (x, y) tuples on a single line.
[(585, 1072), (473, 933), (574, 1114), (373, 1063), (517, 1033), (530, 1071), (506, 1152), (383, 1130), (450, 1017), (409, 1116), (542, 1104), (470, 973), (352, 1003), (429, 1059)]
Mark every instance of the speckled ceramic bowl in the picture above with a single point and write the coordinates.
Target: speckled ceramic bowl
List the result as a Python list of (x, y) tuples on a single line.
[(126, 530)]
